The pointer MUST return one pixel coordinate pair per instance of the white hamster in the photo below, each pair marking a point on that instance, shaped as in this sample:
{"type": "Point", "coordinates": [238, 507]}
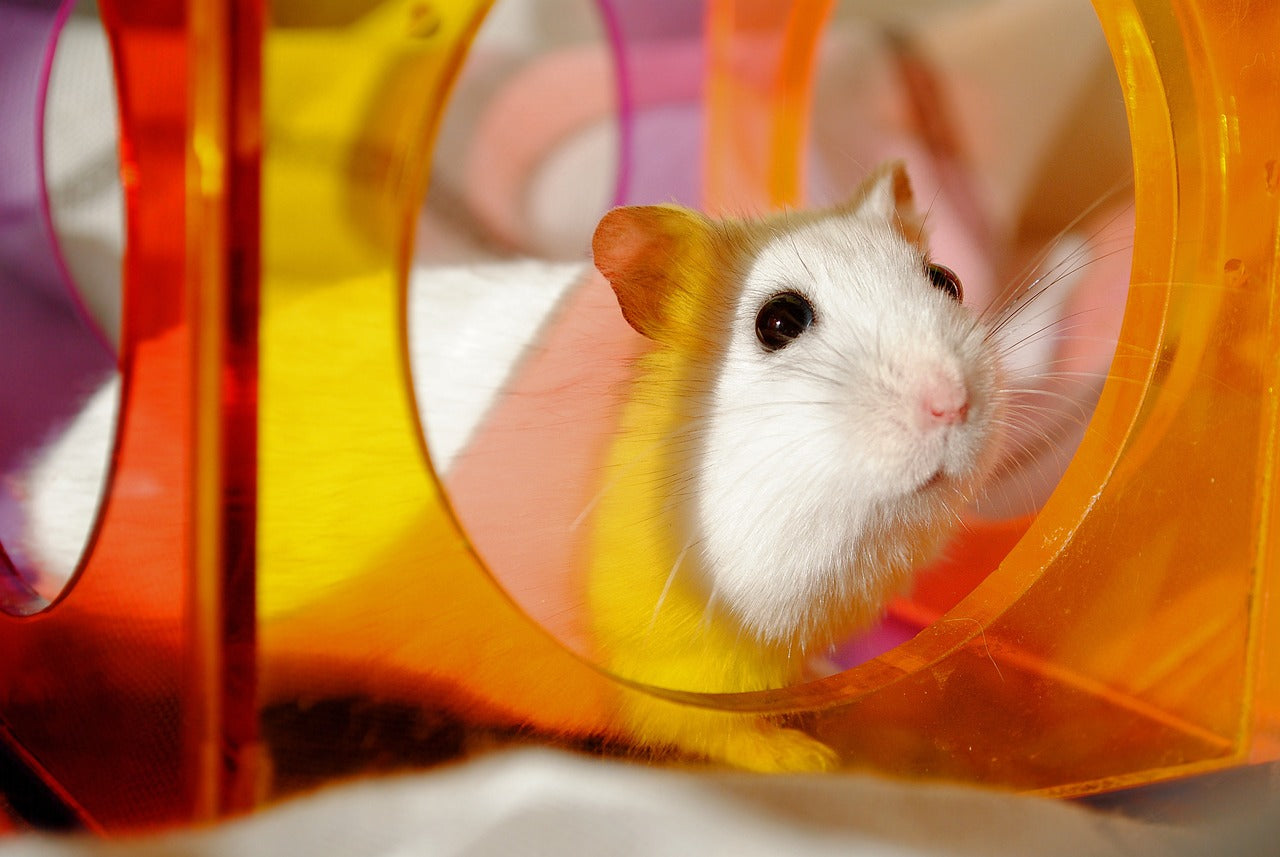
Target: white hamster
{"type": "Point", "coordinates": [818, 406]}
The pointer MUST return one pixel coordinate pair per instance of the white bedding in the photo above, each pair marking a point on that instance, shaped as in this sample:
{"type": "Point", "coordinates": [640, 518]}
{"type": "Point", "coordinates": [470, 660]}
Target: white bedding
{"type": "Point", "coordinates": [537, 802]}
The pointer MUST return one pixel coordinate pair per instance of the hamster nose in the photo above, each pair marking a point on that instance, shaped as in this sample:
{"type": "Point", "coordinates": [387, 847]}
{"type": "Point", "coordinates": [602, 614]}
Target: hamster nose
{"type": "Point", "coordinates": [943, 401]}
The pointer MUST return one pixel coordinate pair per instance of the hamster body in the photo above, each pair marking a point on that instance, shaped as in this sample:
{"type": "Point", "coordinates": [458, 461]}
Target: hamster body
{"type": "Point", "coordinates": [817, 403]}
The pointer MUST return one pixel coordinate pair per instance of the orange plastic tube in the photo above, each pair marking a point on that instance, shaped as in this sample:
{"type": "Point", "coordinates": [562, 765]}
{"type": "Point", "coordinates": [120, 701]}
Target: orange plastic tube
{"type": "Point", "coordinates": [761, 58]}
{"type": "Point", "coordinates": [1130, 635]}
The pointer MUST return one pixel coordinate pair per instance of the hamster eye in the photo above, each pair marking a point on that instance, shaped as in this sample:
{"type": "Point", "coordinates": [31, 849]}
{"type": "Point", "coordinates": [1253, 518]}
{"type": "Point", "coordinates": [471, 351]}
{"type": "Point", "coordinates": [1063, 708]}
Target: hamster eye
{"type": "Point", "coordinates": [782, 318]}
{"type": "Point", "coordinates": [944, 278]}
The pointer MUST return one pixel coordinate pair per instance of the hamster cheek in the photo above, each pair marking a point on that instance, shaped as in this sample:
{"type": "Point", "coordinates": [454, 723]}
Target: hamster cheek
{"type": "Point", "coordinates": [773, 523]}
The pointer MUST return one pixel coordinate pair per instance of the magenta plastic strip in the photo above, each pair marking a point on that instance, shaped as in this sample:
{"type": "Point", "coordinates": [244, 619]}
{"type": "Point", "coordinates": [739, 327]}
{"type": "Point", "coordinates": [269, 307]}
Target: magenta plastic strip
{"type": "Point", "coordinates": [51, 355]}
{"type": "Point", "coordinates": [659, 69]}
{"type": "Point", "coordinates": [28, 250]}
{"type": "Point", "coordinates": [613, 26]}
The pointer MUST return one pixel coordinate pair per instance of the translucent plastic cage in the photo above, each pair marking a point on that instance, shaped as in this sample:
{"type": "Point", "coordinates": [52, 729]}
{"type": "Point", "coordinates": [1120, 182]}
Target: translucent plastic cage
{"type": "Point", "coordinates": [274, 537]}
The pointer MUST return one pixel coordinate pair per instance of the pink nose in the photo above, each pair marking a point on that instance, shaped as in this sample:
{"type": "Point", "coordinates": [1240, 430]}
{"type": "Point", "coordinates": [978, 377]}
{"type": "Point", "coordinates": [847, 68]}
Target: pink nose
{"type": "Point", "coordinates": [943, 401]}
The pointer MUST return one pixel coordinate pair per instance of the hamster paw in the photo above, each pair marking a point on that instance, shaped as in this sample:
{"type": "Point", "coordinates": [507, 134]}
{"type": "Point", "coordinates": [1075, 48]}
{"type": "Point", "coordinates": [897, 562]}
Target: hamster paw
{"type": "Point", "coordinates": [773, 749]}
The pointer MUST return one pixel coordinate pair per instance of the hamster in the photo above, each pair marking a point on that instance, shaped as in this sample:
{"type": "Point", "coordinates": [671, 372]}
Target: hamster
{"type": "Point", "coordinates": [817, 405]}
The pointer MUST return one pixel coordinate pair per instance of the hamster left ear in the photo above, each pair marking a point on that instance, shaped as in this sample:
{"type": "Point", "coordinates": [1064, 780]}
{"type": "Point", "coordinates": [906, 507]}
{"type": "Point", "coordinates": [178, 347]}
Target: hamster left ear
{"type": "Point", "coordinates": [653, 256]}
{"type": "Point", "coordinates": [886, 194]}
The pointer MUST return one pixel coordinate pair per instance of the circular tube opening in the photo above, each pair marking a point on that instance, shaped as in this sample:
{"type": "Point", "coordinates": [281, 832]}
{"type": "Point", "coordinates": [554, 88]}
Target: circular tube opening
{"type": "Point", "coordinates": [1019, 158]}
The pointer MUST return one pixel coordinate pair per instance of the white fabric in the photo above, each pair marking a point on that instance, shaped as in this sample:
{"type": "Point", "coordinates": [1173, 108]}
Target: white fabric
{"type": "Point", "coordinates": [538, 802]}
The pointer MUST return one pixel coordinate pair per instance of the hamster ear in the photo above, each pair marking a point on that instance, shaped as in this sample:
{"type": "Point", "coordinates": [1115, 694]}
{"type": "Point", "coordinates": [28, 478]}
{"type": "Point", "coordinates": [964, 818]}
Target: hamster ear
{"type": "Point", "coordinates": [652, 255]}
{"type": "Point", "coordinates": [886, 194]}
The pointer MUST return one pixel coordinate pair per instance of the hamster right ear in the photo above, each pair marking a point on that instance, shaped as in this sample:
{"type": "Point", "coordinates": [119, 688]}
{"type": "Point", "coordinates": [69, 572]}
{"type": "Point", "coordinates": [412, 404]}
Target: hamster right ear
{"type": "Point", "coordinates": [886, 193]}
{"type": "Point", "coordinates": [655, 257]}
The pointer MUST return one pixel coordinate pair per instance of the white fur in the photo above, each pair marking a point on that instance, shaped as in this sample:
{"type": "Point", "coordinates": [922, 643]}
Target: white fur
{"type": "Point", "coordinates": [63, 487]}
{"type": "Point", "coordinates": [810, 481]}
{"type": "Point", "coordinates": [469, 325]}
{"type": "Point", "coordinates": [468, 328]}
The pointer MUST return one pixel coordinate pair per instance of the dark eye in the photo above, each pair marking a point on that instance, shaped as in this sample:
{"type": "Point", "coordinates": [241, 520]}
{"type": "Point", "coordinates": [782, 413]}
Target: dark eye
{"type": "Point", "coordinates": [782, 318]}
{"type": "Point", "coordinates": [944, 278]}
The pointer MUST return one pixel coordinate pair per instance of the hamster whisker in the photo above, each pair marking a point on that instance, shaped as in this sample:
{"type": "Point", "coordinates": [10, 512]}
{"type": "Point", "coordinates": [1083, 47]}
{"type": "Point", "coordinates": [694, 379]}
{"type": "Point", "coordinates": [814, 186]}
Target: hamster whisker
{"type": "Point", "coordinates": [1006, 311]}
{"type": "Point", "coordinates": [960, 522]}
{"type": "Point", "coordinates": [1081, 378]}
{"type": "Point", "coordinates": [1069, 366]}
{"type": "Point", "coordinates": [1019, 312]}
{"type": "Point", "coordinates": [1044, 424]}
{"type": "Point", "coordinates": [1010, 475]}
{"type": "Point", "coordinates": [1030, 425]}
{"type": "Point", "coordinates": [1015, 472]}
{"type": "Point", "coordinates": [1113, 341]}
{"type": "Point", "coordinates": [1090, 252]}
{"type": "Point", "coordinates": [1018, 295]}
{"type": "Point", "coordinates": [1019, 280]}
{"type": "Point", "coordinates": [1030, 417]}
{"type": "Point", "coordinates": [666, 587]}
{"type": "Point", "coordinates": [709, 609]}
{"type": "Point", "coordinates": [1063, 373]}
{"type": "Point", "coordinates": [1025, 403]}
{"type": "Point", "coordinates": [1034, 410]}
{"type": "Point", "coordinates": [795, 249]}
{"type": "Point", "coordinates": [1076, 261]}
{"type": "Point", "coordinates": [1007, 471]}
{"type": "Point", "coordinates": [924, 220]}
{"type": "Point", "coordinates": [1052, 371]}
{"type": "Point", "coordinates": [1055, 327]}
{"type": "Point", "coordinates": [1047, 393]}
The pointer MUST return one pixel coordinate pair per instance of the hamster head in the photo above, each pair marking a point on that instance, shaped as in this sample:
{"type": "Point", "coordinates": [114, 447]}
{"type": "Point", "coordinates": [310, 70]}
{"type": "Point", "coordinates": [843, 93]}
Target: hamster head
{"type": "Point", "coordinates": [844, 401]}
